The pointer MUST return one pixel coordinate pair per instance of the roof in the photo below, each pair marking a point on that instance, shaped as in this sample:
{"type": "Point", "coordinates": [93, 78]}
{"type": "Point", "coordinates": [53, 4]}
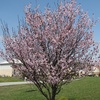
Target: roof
{"type": "Point", "coordinates": [11, 62]}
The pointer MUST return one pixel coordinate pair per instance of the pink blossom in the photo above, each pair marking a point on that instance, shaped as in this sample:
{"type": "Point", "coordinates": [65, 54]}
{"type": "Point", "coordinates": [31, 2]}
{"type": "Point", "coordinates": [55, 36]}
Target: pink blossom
{"type": "Point", "coordinates": [53, 46]}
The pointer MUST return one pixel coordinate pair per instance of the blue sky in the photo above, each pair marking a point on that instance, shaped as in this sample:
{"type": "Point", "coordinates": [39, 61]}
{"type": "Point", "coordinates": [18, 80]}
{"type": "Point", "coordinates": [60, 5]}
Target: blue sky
{"type": "Point", "coordinates": [11, 9]}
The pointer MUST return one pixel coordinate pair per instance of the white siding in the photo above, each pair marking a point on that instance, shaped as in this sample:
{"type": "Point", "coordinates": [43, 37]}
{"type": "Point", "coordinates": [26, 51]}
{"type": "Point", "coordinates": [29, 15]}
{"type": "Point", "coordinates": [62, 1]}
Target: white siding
{"type": "Point", "coordinates": [6, 70]}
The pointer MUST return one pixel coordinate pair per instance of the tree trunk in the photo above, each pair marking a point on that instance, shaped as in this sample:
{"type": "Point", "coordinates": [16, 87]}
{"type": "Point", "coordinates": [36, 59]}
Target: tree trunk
{"type": "Point", "coordinates": [54, 89]}
{"type": "Point", "coordinates": [53, 97]}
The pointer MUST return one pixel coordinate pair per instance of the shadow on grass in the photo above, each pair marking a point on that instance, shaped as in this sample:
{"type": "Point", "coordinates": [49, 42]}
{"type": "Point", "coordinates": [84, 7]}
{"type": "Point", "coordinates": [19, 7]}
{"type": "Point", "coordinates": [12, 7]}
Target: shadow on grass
{"type": "Point", "coordinates": [30, 90]}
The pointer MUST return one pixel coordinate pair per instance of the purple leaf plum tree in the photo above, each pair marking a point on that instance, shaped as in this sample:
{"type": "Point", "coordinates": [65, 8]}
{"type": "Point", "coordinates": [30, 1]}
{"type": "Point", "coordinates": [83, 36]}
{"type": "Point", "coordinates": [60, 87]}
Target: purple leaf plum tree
{"type": "Point", "coordinates": [52, 46]}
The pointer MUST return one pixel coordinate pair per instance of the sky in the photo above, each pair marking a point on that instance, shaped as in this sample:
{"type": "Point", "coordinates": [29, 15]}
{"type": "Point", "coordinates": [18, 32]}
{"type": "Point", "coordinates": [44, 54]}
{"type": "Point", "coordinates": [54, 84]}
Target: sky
{"type": "Point", "coordinates": [11, 10]}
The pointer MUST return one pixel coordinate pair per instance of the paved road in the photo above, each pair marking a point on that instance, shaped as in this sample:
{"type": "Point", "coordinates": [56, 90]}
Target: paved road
{"type": "Point", "coordinates": [13, 83]}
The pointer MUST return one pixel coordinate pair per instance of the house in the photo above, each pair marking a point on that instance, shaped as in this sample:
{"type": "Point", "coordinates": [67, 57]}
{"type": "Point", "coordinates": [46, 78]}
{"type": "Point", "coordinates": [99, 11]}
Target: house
{"type": "Point", "coordinates": [6, 69]}
{"type": "Point", "coordinates": [96, 71]}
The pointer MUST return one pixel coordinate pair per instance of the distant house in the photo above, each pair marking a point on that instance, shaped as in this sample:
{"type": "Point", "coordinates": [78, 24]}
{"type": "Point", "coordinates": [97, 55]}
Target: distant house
{"type": "Point", "coordinates": [6, 69]}
{"type": "Point", "coordinates": [96, 70]}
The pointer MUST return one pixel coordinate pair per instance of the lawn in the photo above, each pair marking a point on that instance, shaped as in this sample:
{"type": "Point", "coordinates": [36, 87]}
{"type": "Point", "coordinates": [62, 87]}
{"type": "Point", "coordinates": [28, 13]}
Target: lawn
{"type": "Point", "coordinates": [84, 89]}
{"type": "Point", "coordinates": [10, 79]}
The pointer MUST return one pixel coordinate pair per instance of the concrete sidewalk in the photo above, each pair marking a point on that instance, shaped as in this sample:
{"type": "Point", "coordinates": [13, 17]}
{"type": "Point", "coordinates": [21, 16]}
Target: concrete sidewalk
{"type": "Point", "coordinates": [14, 83]}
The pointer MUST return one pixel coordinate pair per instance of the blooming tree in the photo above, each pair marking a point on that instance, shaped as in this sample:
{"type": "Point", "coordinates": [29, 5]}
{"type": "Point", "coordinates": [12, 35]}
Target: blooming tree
{"type": "Point", "coordinates": [52, 46]}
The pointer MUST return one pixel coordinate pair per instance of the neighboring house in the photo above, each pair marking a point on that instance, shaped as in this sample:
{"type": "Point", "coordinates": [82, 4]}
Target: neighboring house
{"type": "Point", "coordinates": [6, 69]}
{"type": "Point", "coordinates": [96, 71]}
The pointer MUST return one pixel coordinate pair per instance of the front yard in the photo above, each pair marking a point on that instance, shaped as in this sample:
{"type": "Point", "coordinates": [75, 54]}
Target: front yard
{"type": "Point", "coordinates": [87, 88]}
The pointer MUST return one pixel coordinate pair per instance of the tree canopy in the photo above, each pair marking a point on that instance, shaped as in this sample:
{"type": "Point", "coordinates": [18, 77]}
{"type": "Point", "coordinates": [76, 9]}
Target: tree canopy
{"type": "Point", "coordinates": [52, 46]}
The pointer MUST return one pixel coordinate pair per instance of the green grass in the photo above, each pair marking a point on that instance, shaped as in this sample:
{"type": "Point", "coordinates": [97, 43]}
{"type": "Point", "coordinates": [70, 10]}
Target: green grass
{"type": "Point", "coordinates": [20, 92]}
{"type": "Point", "coordinates": [84, 89]}
{"type": "Point", "coordinates": [10, 79]}
{"type": "Point", "coordinates": [87, 88]}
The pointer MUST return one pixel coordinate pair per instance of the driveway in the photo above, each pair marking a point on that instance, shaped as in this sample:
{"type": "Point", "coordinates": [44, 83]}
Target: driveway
{"type": "Point", "coordinates": [13, 83]}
